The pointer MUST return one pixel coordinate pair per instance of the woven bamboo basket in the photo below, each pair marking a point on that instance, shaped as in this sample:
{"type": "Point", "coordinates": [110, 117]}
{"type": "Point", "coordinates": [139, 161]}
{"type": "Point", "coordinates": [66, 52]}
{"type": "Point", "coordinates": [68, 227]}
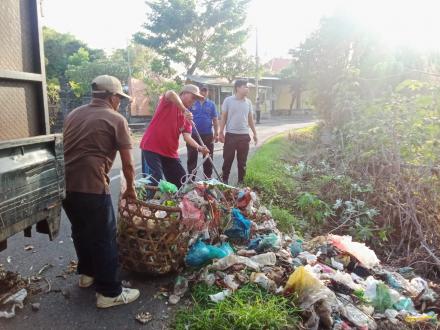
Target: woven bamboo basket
{"type": "Point", "coordinates": [150, 238]}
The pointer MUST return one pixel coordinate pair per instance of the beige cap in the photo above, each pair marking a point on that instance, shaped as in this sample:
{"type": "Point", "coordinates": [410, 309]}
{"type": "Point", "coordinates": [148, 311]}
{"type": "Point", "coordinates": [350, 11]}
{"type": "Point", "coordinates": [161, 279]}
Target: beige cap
{"type": "Point", "coordinates": [109, 84]}
{"type": "Point", "coordinates": [193, 89]}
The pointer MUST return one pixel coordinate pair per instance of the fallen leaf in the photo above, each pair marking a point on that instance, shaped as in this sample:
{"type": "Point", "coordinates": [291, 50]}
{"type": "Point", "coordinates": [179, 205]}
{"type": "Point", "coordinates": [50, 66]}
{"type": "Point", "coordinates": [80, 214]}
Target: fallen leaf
{"type": "Point", "coordinates": [28, 247]}
{"type": "Point", "coordinates": [144, 317]}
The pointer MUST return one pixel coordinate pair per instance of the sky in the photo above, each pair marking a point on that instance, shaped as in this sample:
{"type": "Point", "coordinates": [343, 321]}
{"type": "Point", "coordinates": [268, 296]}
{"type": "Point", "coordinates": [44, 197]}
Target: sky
{"type": "Point", "coordinates": [281, 24]}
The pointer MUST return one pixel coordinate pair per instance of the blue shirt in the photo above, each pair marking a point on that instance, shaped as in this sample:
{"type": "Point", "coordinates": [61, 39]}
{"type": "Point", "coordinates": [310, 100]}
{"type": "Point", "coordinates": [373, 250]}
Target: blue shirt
{"type": "Point", "coordinates": [203, 114]}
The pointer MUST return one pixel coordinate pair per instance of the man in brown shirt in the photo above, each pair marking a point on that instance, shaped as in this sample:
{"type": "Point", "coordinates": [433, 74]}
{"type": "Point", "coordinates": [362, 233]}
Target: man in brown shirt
{"type": "Point", "coordinates": [93, 134]}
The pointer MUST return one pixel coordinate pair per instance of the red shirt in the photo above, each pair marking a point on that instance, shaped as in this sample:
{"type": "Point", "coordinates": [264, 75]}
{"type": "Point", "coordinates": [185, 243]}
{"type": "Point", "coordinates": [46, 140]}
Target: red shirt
{"type": "Point", "coordinates": [162, 135]}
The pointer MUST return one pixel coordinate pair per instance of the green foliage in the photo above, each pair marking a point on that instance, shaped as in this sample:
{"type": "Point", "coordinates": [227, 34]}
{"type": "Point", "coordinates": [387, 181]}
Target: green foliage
{"type": "Point", "coordinates": [194, 33]}
{"type": "Point", "coordinates": [58, 47]}
{"type": "Point", "coordinates": [156, 87]}
{"type": "Point", "coordinates": [358, 218]}
{"type": "Point", "coordinates": [237, 64]}
{"type": "Point", "coordinates": [79, 58]}
{"type": "Point", "coordinates": [286, 221]}
{"type": "Point", "coordinates": [312, 208]}
{"type": "Point", "coordinates": [53, 91]}
{"type": "Point", "coordinates": [80, 77]}
{"type": "Point", "coordinates": [250, 307]}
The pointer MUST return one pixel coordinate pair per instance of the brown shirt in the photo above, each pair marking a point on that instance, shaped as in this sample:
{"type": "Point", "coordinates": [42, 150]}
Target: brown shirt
{"type": "Point", "coordinates": [93, 133]}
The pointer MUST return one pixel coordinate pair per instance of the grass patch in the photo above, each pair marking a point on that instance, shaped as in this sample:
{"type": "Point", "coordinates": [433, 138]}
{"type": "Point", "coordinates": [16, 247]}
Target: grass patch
{"type": "Point", "coordinates": [248, 308]}
{"type": "Point", "coordinates": [286, 221]}
{"type": "Point", "coordinates": [270, 173]}
{"type": "Point", "coordinates": [265, 171]}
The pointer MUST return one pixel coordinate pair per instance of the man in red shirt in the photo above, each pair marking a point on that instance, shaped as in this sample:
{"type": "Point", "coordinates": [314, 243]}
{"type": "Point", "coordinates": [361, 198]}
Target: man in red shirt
{"type": "Point", "coordinates": [160, 142]}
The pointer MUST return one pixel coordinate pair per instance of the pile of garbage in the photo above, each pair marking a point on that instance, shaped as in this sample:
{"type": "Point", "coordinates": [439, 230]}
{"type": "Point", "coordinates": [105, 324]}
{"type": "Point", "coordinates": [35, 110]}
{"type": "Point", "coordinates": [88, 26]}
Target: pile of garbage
{"type": "Point", "coordinates": [338, 283]}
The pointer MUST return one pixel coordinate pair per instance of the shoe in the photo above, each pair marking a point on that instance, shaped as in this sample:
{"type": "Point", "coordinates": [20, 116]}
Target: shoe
{"type": "Point", "coordinates": [85, 281]}
{"type": "Point", "coordinates": [127, 296]}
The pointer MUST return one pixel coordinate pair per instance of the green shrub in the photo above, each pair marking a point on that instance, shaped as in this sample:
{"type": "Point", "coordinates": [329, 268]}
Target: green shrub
{"type": "Point", "coordinates": [286, 221]}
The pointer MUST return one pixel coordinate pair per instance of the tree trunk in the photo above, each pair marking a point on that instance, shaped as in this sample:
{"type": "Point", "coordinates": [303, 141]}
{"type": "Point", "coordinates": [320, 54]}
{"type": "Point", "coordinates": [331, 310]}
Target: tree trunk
{"type": "Point", "coordinates": [298, 99]}
{"type": "Point", "coordinates": [197, 60]}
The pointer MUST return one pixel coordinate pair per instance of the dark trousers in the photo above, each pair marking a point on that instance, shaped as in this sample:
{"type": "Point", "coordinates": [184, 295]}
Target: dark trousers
{"type": "Point", "coordinates": [161, 167]}
{"type": "Point", "coordinates": [145, 169]}
{"type": "Point", "coordinates": [94, 236]}
{"type": "Point", "coordinates": [235, 143]}
{"type": "Point", "coordinates": [193, 155]}
{"type": "Point", "coordinates": [258, 115]}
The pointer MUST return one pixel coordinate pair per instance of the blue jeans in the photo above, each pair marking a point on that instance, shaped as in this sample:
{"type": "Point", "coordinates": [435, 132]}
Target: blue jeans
{"type": "Point", "coordinates": [162, 167]}
{"type": "Point", "coordinates": [94, 236]}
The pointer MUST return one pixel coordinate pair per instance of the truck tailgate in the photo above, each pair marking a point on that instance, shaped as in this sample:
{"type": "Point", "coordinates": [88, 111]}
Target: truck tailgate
{"type": "Point", "coordinates": [32, 184]}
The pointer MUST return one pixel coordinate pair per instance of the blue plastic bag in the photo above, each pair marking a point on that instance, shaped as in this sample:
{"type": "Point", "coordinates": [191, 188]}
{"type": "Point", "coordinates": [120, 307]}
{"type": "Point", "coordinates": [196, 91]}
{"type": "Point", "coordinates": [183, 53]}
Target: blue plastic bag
{"type": "Point", "coordinates": [265, 242]}
{"type": "Point", "coordinates": [296, 247]}
{"type": "Point", "coordinates": [241, 227]}
{"type": "Point", "coordinates": [201, 253]}
{"type": "Point", "coordinates": [226, 248]}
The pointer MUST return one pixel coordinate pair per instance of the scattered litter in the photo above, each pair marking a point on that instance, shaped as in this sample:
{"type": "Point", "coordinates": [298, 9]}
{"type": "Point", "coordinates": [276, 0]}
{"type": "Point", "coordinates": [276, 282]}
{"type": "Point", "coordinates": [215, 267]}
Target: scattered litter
{"type": "Point", "coordinates": [230, 240]}
{"type": "Point", "coordinates": [44, 268]}
{"type": "Point", "coordinates": [233, 259]}
{"type": "Point", "coordinates": [180, 288]}
{"type": "Point", "coordinates": [266, 259]}
{"type": "Point", "coordinates": [241, 226]}
{"type": "Point", "coordinates": [359, 250]}
{"type": "Point", "coordinates": [28, 247]}
{"type": "Point", "coordinates": [72, 267]}
{"type": "Point", "coordinates": [15, 300]}
{"type": "Point", "coordinates": [262, 280]}
{"type": "Point", "coordinates": [220, 296]}
{"type": "Point", "coordinates": [144, 317]}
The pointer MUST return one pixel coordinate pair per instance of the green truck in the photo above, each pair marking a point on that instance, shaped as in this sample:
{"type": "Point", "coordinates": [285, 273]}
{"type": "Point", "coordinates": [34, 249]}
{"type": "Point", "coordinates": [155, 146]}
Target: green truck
{"type": "Point", "coordinates": [31, 159]}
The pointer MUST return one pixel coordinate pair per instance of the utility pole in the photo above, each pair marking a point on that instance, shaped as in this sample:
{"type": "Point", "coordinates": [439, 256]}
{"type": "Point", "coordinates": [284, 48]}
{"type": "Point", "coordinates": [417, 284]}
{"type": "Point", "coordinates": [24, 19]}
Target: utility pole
{"type": "Point", "coordinates": [130, 87]}
{"type": "Point", "coordinates": [257, 74]}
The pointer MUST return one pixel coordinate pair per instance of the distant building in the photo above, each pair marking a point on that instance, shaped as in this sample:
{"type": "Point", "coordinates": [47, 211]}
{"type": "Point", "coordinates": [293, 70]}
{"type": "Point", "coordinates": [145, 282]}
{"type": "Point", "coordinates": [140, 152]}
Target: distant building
{"type": "Point", "coordinates": [276, 65]}
{"type": "Point", "coordinates": [275, 93]}
{"type": "Point", "coordinates": [140, 104]}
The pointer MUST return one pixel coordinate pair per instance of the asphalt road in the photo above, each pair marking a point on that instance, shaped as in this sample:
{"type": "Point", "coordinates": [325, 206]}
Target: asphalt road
{"type": "Point", "coordinates": [68, 307]}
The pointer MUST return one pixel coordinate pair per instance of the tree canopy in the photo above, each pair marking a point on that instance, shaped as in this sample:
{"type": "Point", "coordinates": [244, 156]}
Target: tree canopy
{"type": "Point", "coordinates": [194, 33]}
{"type": "Point", "coordinates": [58, 47]}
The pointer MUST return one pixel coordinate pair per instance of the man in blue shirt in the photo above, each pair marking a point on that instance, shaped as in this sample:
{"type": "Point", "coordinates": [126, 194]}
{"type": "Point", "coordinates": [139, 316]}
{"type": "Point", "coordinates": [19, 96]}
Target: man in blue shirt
{"type": "Point", "coordinates": [205, 118]}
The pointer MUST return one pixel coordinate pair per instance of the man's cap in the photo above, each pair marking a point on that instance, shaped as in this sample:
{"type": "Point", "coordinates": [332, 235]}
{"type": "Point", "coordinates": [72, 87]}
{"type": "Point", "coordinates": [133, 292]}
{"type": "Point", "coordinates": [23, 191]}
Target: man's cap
{"type": "Point", "coordinates": [193, 89]}
{"type": "Point", "coordinates": [108, 84]}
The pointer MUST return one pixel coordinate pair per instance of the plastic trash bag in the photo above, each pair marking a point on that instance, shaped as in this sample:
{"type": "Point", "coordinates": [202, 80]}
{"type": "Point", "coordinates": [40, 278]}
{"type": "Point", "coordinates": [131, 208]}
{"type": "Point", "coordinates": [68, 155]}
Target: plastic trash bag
{"type": "Point", "coordinates": [265, 242]}
{"type": "Point", "coordinates": [405, 304]}
{"type": "Point", "coordinates": [265, 259]}
{"type": "Point", "coordinates": [16, 300]}
{"type": "Point", "coordinates": [220, 296]}
{"type": "Point", "coordinates": [308, 288]}
{"type": "Point", "coordinates": [360, 251]}
{"type": "Point", "coordinates": [296, 247]}
{"type": "Point", "coordinates": [241, 227]}
{"type": "Point", "coordinates": [226, 247]}
{"type": "Point", "coordinates": [262, 280]}
{"type": "Point", "coordinates": [411, 319]}
{"type": "Point", "coordinates": [192, 217]}
{"type": "Point", "coordinates": [383, 300]}
{"type": "Point", "coordinates": [233, 259]}
{"type": "Point", "coordinates": [200, 253]}
{"type": "Point", "coordinates": [167, 187]}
